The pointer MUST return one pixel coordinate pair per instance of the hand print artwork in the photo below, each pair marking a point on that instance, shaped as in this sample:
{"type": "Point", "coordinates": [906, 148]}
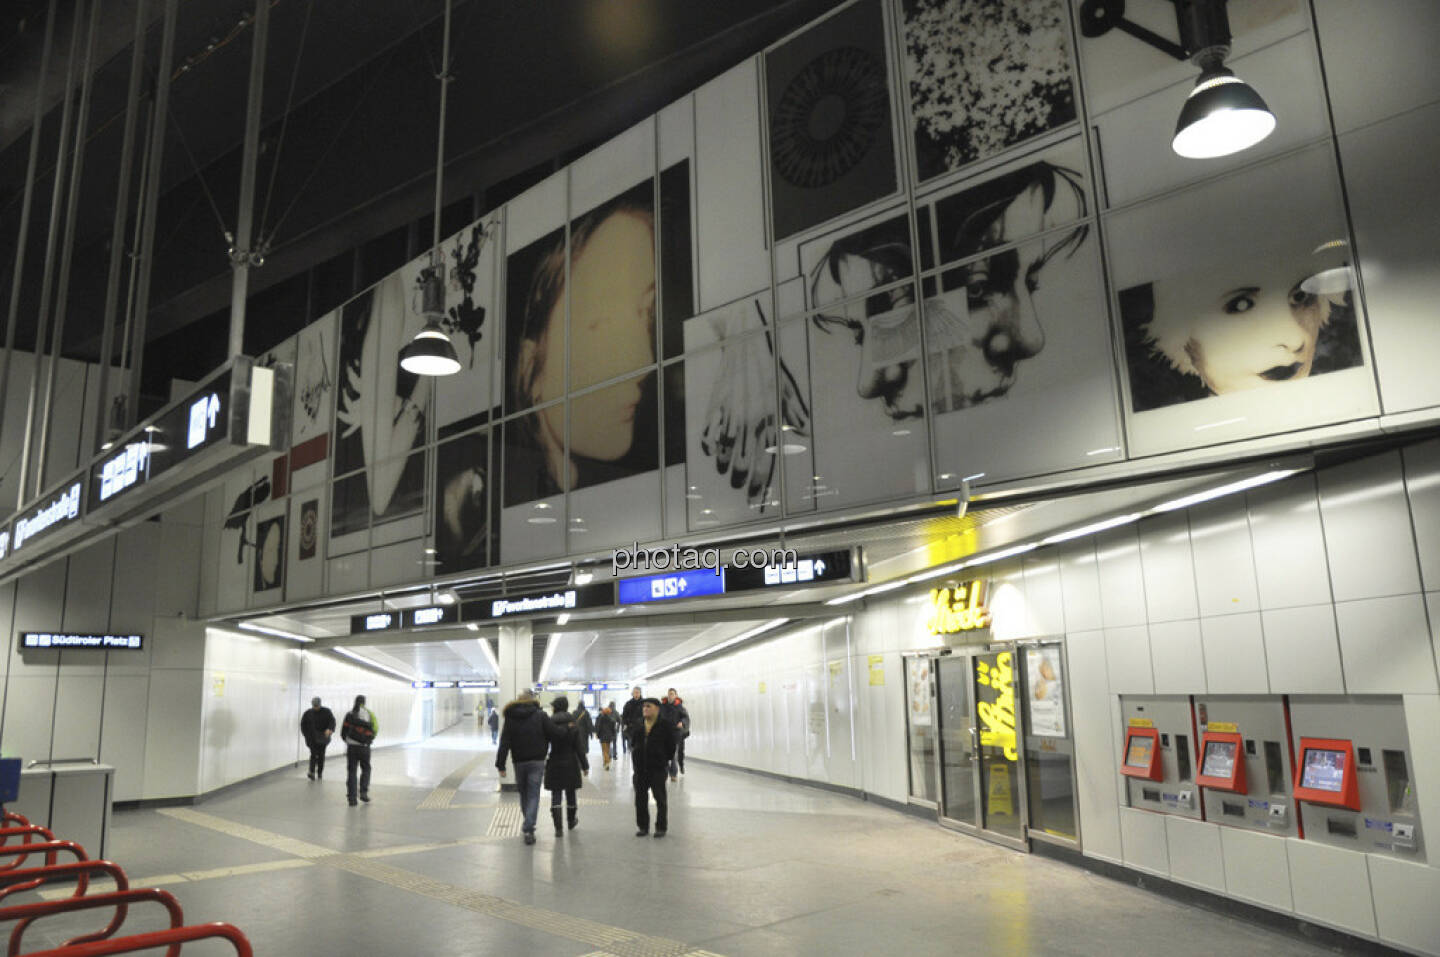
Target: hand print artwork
{"type": "Point", "coordinates": [984, 75]}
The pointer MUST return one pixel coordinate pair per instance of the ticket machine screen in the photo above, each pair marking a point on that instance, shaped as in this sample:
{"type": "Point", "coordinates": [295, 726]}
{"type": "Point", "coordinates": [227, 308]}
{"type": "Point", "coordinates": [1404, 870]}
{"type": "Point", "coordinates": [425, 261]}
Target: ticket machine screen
{"type": "Point", "coordinates": [1323, 770]}
{"type": "Point", "coordinates": [1219, 759]}
{"type": "Point", "coordinates": [1138, 754]}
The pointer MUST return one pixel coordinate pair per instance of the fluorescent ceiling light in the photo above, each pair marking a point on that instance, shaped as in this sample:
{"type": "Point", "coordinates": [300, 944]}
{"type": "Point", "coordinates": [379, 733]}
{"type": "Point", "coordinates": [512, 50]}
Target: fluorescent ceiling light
{"type": "Point", "coordinates": [489, 655]}
{"type": "Point", "coordinates": [1092, 528]}
{"type": "Point", "coordinates": [1004, 553]}
{"type": "Point", "coordinates": [563, 619]}
{"type": "Point", "coordinates": [1223, 490]}
{"type": "Point", "coordinates": [373, 664]}
{"type": "Point", "coordinates": [584, 578]}
{"type": "Point", "coordinates": [265, 630]}
{"type": "Point", "coordinates": [846, 599]}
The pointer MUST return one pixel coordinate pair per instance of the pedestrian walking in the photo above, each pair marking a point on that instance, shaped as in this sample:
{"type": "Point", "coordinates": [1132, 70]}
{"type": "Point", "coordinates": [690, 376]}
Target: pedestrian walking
{"type": "Point", "coordinates": [672, 709]}
{"type": "Point", "coordinates": [652, 745]}
{"type": "Point", "coordinates": [565, 765]}
{"type": "Point", "coordinates": [494, 725]}
{"type": "Point", "coordinates": [631, 717]}
{"type": "Point", "coordinates": [317, 724]}
{"type": "Point", "coordinates": [585, 725]}
{"type": "Point", "coordinates": [358, 732]}
{"type": "Point", "coordinates": [526, 735]}
{"type": "Point", "coordinates": [606, 727]}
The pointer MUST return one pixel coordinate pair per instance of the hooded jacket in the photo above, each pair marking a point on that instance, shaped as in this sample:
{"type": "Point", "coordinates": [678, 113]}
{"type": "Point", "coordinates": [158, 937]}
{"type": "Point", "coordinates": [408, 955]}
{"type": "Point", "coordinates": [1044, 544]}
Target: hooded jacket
{"type": "Point", "coordinates": [314, 723]}
{"type": "Point", "coordinates": [606, 725]}
{"type": "Point", "coordinates": [526, 734]}
{"type": "Point", "coordinates": [675, 713]}
{"type": "Point", "coordinates": [567, 758]}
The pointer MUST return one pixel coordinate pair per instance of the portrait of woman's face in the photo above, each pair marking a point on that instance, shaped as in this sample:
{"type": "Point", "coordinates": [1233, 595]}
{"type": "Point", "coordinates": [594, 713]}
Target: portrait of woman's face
{"type": "Point", "coordinates": [1242, 337]}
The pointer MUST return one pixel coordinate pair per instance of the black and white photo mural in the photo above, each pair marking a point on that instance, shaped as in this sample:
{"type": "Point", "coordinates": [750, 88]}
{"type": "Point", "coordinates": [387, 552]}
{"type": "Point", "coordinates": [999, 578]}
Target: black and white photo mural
{"type": "Point", "coordinates": [984, 75]}
{"type": "Point", "coordinates": [466, 531]}
{"type": "Point", "coordinates": [269, 565]}
{"type": "Point", "coordinates": [1257, 334]}
{"type": "Point", "coordinates": [832, 142]}
{"type": "Point", "coordinates": [1016, 326]}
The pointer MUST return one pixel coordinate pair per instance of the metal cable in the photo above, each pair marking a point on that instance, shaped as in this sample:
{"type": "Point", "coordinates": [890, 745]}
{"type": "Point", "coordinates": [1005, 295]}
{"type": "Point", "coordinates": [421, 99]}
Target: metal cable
{"type": "Point", "coordinates": [284, 123]}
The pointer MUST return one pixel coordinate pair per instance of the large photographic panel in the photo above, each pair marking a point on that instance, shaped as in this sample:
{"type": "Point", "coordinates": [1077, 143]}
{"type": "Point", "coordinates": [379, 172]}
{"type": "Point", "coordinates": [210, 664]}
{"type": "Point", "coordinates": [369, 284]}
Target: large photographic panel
{"type": "Point", "coordinates": [464, 535]}
{"type": "Point", "coordinates": [269, 564]}
{"type": "Point", "coordinates": [984, 75]}
{"type": "Point", "coordinates": [827, 95]}
{"type": "Point", "coordinates": [313, 409]}
{"type": "Point", "coordinates": [857, 258]}
{"type": "Point", "coordinates": [1239, 310]}
{"type": "Point", "coordinates": [532, 521]}
{"type": "Point", "coordinates": [464, 400]}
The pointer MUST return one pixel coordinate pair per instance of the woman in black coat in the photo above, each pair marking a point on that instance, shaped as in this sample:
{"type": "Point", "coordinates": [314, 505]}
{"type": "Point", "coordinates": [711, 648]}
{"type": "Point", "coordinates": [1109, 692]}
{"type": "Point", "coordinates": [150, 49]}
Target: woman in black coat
{"type": "Point", "coordinates": [564, 765]}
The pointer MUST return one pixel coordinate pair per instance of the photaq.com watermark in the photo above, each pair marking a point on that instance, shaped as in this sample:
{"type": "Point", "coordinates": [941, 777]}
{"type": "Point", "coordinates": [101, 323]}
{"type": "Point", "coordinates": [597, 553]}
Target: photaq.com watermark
{"type": "Point", "coordinates": [676, 558]}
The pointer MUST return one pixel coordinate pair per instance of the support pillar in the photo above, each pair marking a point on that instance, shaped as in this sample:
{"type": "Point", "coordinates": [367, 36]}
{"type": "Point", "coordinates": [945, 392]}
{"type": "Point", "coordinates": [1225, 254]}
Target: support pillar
{"type": "Point", "coordinates": [516, 666]}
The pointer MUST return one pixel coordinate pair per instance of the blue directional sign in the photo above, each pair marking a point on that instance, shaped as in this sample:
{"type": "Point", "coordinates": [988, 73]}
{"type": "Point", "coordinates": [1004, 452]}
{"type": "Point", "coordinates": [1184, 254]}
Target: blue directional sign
{"type": "Point", "coordinates": [687, 584]}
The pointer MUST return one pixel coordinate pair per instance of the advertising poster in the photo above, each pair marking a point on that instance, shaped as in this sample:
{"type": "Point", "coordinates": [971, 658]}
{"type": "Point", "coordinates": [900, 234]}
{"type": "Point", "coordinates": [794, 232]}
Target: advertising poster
{"type": "Point", "coordinates": [919, 691]}
{"type": "Point", "coordinates": [1045, 692]}
{"type": "Point", "coordinates": [832, 146]}
{"type": "Point", "coordinates": [984, 76]}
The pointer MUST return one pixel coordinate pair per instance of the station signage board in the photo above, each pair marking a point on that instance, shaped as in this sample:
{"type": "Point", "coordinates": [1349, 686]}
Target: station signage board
{"type": "Point", "coordinates": [376, 621]}
{"type": "Point", "coordinates": [532, 604]}
{"type": "Point", "coordinates": [67, 640]}
{"type": "Point", "coordinates": [816, 569]}
{"type": "Point", "coordinates": [461, 685]}
{"type": "Point", "coordinates": [198, 422]}
{"type": "Point", "coordinates": [55, 511]}
{"type": "Point", "coordinates": [429, 616]}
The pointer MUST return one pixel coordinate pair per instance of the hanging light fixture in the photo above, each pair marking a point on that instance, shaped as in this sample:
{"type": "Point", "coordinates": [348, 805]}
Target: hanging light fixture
{"type": "Point", "coordinates": [1223, 114]}
{"type": "Point", "coordinates": [431, 352]}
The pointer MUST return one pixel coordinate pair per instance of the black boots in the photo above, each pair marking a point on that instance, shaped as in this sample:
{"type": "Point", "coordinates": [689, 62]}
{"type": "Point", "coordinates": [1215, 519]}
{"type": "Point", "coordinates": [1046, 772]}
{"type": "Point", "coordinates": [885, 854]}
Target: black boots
{"type": "Point", "coordinates": [555, 816]}
{"type": "Point", "coordinates": [574, 818]}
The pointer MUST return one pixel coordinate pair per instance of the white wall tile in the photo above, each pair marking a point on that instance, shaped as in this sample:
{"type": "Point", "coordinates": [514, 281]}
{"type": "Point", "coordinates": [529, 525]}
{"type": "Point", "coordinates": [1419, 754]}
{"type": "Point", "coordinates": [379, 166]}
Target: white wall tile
{"type": "Point", "coordinates": [1385, 646]}
{"type": "Point", "coordinates": [1122, 585]}
{"type": "Point", "coordinates": [172, 755]}
{"type": "Point", "coordinates": [1257, 868]}
{"type": "Point", "coordinates": [1194, 851]}
{"type": "Point", "coordinates": [1095, 745]}
{"type": "Point", "coordinates": [1146, 845]}
{"type": "Point", "coordinates": [1177, 658]}
{"type": "Point", "coordinates": [1043, 594]}
{"type": "Point", "coordinates": [1169, 571]}
{"type": "Point", "coordinates": [1080, 587]}
{"type": "Point", "coordinates": [1422, 486]}
{"type": "Point", "coordinates": [29, 707]}
{"type": "Point", "coordinates": [1234, 654]}
{"type": "Point", "coordinates": [1289, 543]}
{"type": "Point", "coordinates": [122, 733]}
{"type": "Point", "coordinates": [1422, 721]}
{"type": "Point", "coordinates": [1302, 650]}
{"type": "Point", "coordinates": [1224, 558]}
{"type": "Point", "coordinates": [78, 701]}
{"type": "Point", "coordinates": [1331, 886]}
{"type": "Point", "coordinates": [1367, 46]}
{"type": "Point", "coordinates": [1405, 895]}
{"type": "Point", "coordinates": [1364, 501]}
{"type": "Point", "coordinates": [1127, 653]}
{"type": "Point", "coordinates": [86, 605]}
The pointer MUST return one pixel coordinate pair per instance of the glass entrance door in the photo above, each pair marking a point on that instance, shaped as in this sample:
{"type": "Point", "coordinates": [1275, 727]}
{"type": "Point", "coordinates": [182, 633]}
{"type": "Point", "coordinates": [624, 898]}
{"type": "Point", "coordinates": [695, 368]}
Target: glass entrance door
{"type": "Point", "coordinates": [957, 742]}
{"type": "Point", "coordinates": [982, 787]}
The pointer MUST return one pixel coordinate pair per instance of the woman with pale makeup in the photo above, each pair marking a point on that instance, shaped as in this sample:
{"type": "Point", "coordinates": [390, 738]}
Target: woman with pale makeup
{"type": "Point", "coordinates": [611, 297]}
{"type": "Point", "coordinates": [1244, 326]}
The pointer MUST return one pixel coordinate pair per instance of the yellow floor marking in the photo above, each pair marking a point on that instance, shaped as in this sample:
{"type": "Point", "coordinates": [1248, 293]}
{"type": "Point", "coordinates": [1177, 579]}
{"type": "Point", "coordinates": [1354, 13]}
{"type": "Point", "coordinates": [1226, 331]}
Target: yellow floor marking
{"type": "Point", "coordinates": [444, 793]}
{"type": "Point", "coordinates": [614, 941]}
{"type": "Point", "coordinates": [160, 880]}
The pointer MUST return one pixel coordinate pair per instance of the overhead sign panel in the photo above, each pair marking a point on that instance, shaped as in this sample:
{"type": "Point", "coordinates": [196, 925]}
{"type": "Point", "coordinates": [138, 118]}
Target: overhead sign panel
{"type": "Point", "coordinates": [695, 583]}
{"type": "Point", "coordinates": [55, 511]}
{"type": "Point", "coordinates": [377, 621]}
{"type": "Point", "coordinates": [534, 604]}
{"type": "Point", "coordinates": [46, 639]}
{"type": "Point", "coordinates": [821, 568]}
{"type": "Point", "coordinates": [429, 616]}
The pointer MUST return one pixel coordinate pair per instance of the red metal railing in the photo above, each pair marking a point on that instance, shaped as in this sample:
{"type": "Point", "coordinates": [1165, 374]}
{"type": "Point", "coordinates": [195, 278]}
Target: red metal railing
{"type": "Point", "coordinates": [159, 938]}
{"type": "Point", "coordinates": [15, 879]}
{"type": "Point", "coordinates": [27, 914]}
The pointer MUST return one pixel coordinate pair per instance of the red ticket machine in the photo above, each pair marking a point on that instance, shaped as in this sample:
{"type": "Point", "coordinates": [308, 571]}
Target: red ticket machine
{"type": "Point", "coordinates": [1222, 762]}
{"type": "Point", "coordinates": [1142, 754]}
{"type": "Point", "coordinates": [1327, 773]}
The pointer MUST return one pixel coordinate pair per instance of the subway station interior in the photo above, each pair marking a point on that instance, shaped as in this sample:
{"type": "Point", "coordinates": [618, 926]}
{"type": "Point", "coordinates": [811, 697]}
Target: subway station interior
{"type": "Point", "coordinates": [818, 369]}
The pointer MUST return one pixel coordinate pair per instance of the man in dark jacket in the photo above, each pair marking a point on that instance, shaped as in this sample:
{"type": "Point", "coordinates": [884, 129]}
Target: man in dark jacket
{"type": "Point", "coordinates": [672, 709]}
{"type": "Point", "coordinates": [317, 725]}
{"type": "Point", "coordinates": [631, 716]}
{"type": "Point", "coordinates": [605, 728]}
{"type": "Point", "coordinates": [566, 763]}
{"type": "Point", "coordinates": [527, 734]}
{"type": "Point", "coordinates": [585, 725]}
{"type": "Point", "coordinates": [358, 732]}
{"type": "Point", "coordinates": [494, 725]}
{"type": "Point", "coordinates": [652, 745]}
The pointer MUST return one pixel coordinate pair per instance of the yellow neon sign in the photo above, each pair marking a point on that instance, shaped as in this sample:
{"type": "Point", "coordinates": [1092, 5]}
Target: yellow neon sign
{"type": "Point", "coordinates": [998, 716]}
{"type": "Point", "coordinates": [956, 609]}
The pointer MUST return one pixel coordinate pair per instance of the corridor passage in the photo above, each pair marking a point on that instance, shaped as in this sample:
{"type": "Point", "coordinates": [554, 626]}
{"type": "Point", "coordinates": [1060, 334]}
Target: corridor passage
{"type": "Point", "coordinates": [434, 865]}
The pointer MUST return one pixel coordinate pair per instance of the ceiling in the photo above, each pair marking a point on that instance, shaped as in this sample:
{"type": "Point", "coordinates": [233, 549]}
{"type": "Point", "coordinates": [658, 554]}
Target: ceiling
{"type": "Point", "coordinates": [347, 152]}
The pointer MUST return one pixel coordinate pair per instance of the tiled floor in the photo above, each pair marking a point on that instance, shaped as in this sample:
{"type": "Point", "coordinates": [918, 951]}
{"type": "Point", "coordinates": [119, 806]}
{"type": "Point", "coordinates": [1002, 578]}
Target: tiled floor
{"type": "Point", "coordinates": [751, 867]}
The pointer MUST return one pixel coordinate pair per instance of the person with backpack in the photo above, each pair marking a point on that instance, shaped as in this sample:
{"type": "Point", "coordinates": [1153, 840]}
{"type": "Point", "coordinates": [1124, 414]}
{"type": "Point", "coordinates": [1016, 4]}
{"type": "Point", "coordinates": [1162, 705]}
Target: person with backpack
{"type": "Point", "coordinates": [565, 764]}
{"type": "Point", "coordinates": [358, 732]}
{"type": "Point", "coordinates": [606, 727]}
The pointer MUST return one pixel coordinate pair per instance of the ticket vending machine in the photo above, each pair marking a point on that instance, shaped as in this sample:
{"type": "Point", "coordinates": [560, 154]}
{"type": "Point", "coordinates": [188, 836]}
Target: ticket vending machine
{"type": "Point", "coordinates": [1158, 754]}
{"type": "Point", "coordinates": [1244, 762]}
{"type": "Point", "coordinates": [1354, 774]}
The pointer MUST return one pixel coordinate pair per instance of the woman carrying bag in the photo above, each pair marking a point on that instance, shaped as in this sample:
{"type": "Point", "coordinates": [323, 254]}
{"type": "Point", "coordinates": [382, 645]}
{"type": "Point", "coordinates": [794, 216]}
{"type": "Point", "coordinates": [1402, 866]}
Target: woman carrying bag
{"type": "Point", "coordinates": [565, 765]}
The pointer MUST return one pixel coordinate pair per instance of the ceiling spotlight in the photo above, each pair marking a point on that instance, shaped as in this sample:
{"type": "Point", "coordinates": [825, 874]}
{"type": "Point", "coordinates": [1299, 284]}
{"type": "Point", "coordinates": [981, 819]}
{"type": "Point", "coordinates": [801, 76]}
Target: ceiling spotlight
{"type": "Point", "coordinates": [1223, 114]}
{"type": "Point", "coordinates": [430, 352]}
